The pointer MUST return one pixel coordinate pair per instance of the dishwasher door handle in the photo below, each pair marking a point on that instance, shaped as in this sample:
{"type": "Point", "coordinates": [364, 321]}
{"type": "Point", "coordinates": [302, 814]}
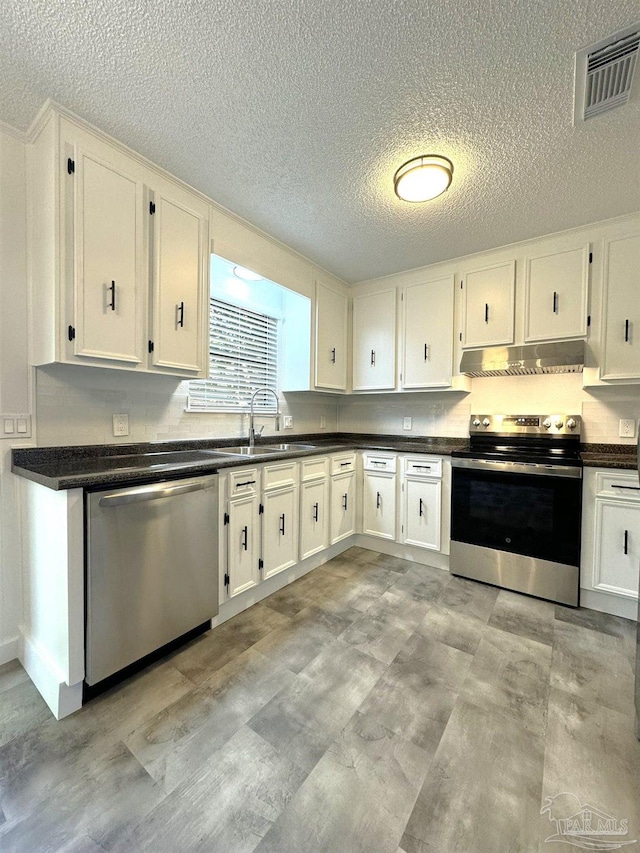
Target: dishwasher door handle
{"type": "Point", "coordinates": [153, 493]}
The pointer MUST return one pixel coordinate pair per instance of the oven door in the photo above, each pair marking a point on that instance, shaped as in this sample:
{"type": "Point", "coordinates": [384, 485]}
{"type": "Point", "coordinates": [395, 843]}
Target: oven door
{"type": "Point", "coordinates": [517, 529]}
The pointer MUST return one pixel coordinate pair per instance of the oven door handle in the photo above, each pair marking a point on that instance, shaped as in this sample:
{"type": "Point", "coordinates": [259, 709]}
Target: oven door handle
{"type": "Point", "coordinates": [532, 468]}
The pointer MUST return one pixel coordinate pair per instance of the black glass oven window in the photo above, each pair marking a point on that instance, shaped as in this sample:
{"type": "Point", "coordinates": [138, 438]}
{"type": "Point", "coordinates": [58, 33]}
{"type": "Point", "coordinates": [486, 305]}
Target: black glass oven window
{"type": "Point", "coordinates": [521, 513]}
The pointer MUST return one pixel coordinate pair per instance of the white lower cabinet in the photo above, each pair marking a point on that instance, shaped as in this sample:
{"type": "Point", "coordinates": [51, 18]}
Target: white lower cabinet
{"type": "Point", "coordinates": [379, 495]}
{"type": "Point", "coordinates": [243, 543]}
{"type": "Point", "coordinates": [343, 506]}
{"type": "Point", "coordinates": [314, 517]}
{"type": "Point", "coordinates": [421, 513]}
{"type": "Point", "coordinates": [611, 533]}
{"type": "Point", "coordinates": [279, 530]}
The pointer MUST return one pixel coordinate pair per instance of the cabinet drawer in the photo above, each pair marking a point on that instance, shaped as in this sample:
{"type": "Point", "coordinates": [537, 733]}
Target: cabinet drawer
{"type": "Point", "coordinates": [242, 481]}
{"type": "Point", "coordinates": [423, 466]}
{"type": "Point", "coordinates": [278, 474]}
{"type": "Point", "coordinates": [379, 462]}
{"type": "Point", "coordinates": [314, 468]}
{"type": "Point", "coordinates": [620, 484]}
{"type": "Point", "coordinates": [342, 462]}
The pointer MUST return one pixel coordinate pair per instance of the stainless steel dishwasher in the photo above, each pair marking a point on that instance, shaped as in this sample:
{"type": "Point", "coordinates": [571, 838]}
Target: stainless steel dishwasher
{"type": "Point", "coordinates": [152, 569]}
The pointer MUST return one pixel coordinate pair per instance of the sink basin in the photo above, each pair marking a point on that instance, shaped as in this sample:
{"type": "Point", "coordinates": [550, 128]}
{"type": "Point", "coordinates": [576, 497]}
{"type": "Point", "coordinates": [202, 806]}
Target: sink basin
{"type": "Point", "coordinates": [284, 447]}
{"type": "Point", "coordinates": [247, 451]}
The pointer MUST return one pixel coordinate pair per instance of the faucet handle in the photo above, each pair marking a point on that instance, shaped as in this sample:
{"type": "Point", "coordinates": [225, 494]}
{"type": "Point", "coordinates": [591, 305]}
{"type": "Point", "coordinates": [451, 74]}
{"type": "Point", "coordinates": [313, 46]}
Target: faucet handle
{"type": "Point", "coordinates": [258, 431]}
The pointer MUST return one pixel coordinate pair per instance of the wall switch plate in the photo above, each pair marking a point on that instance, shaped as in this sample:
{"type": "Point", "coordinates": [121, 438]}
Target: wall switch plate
{"type": "Point", "coordinates": [406, 423]}
{"type": "Point", "coordinates": [121, 424]}
{"type": "Point", "coordinates": [323, 422]}
{"type": "Point", "coordinates": [287, 422]}
{"type": "Point", "coordinates": [627, 428]}
{"type": "Point", "coordinates": [15, 426]}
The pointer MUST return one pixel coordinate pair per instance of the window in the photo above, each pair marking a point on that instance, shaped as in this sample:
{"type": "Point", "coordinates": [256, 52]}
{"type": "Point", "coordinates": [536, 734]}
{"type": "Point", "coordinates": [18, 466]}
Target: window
{"type": "Point", "coordinates": [243, 356]}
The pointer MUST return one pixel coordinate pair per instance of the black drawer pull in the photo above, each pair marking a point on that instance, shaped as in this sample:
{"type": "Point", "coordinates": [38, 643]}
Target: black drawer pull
{"type": "Point", "coordinates": [245, 537]}
{"type": "Point", "coordinates": [345, 464]}
{"type": "Point", "coordinates": [625, 547]}
{"type": "Point", "coordinates": [316, 509]}
{"type": "Point", "coordinates": [486, 312]}
{"type": "Point", "coordinates": [333, 355]}
{"type": "Point", "coordinates": [626, 331]}
{"type": "Point", "coordinates": [246, 483]}
{"type": "Point", "coordinates": [426, 352]}
{"type": "Point", "coordinates": [628, 488]}
{"type": "Point", "coordinates": [344, 502]}
{"type": "Point", "coordinates": [378, 500]}
{"type": "Point", "coordinates": [555, 302]}
{"type": "Point", "coordinates": [282, 524]}
{"type": "Point", "coordinates": [112, 290]}
{"type": "Point", "coordinates": [423, 467]}
{"type": "Point", "coordinates": [420, 510]}
{"type": "Point", "coordinates": [373, 358]}
{"type": "Point", "coordinates": [180, 313]}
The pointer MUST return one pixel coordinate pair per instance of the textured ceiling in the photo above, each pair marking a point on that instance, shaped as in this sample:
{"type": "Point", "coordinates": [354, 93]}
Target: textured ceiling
{"type": "Point", "coordinates": [296, 113]}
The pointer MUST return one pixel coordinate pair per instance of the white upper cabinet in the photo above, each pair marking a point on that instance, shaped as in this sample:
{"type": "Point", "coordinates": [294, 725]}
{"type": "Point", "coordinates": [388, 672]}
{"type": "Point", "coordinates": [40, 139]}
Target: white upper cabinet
{"type": "Point", "coordinates": [621, 309]}
{"type": "Point", "coordinates": [374, 341]}
{"type": "Point", "coordinates": [331, 339]}
{"type": "Point", "coordinates": [428, 334]}
{"type": "Point", "coordinates": [556, 294]}
{"type": "Point", "coordinates": [108, 269]}
{"type": "Point", "coordinates": [179, 278]}
{"type": "Point", "coordinates": [488, 305]}
{"type": "Point", "coordinates": [115, 283]}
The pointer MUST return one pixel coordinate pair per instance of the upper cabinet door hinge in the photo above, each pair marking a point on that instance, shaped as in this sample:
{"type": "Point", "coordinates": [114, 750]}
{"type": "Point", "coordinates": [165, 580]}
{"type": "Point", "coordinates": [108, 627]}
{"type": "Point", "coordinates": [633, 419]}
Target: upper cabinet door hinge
{"type": "Point", "coordinates": [588, 320]}
{"type": "Point", "coordinates": [227, 579]}
{"type": "Point", "coordinates": [461, 284]}
{"type": "Point", "coordinates": [226, 518]}
{"type": "Point", "coordinates": [152, 208]}
{"type": "Point", "coordinates": [71, 333]}
{"type": "Point", "coordinates": [150, 346]}
{"type": "Point", "coordinates": [460, 335]}
{"type": "Point", "coordinates": [590, 257]}
{"type": "Point", "coordinates": [261, 509]}
{"type": "Point", "coordinates": [71, 166]}
{"type": "Point", "coordinates": [260, 563]}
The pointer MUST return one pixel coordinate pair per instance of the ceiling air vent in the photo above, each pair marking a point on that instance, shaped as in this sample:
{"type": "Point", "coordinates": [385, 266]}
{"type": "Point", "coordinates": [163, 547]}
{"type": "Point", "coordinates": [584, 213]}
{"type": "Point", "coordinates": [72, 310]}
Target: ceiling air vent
{"type": "Point", "coordinates": [604, 74]}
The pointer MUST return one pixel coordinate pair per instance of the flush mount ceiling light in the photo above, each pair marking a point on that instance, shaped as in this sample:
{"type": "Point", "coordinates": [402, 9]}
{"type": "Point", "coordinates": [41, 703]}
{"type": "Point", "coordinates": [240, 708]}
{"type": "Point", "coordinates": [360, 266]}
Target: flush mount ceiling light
{"type": "Point", "coordinates": [423, 178]}
{"type": "Point", "coordinates": [246, 275]}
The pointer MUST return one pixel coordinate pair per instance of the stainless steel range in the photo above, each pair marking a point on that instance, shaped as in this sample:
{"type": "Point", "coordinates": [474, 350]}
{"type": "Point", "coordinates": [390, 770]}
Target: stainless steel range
{"type": "Point", "coordinates": [516, 505]}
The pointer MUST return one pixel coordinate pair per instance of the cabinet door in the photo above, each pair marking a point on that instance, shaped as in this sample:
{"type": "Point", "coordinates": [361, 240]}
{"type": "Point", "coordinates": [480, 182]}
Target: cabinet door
{"type": "Point", "coordinates": [556, 295]}
{"type": "Point", "coordinates": [621, 309]}
{"type": "Point", "coordinates": [421, 513]}
{"type": "Point", "coordinates": [374, 341]}
{"type": "Point", "coordinates": [331, 339]}
{"type": "Point", "coordinates": [243, 532]}
{"type": "Point", "coordinates": [108, 268]}
{"type": "Point", "coordinates": [343, 506]}
{"type": "Point", "coordinates": [314, 518]}
{"type": "Point", "coordinates": [379, 505]}
{"type": "Point", "coordinates": [488, 306]}
{"type": "Point", "coordinates": [279, 530]}
{"type": "Point", "coordinates": [617, 547]}
{"type": "Point", "coordinates": [428, 334]}
{"type": "Point", "coordinates": [180, 282]}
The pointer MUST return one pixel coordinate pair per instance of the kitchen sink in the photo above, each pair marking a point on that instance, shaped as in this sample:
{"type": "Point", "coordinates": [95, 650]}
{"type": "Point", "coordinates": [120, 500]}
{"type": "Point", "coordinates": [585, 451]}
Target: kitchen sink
{"type": "Point", "coordinates": [262, 449]}
{"type": "Point", "coordinates": [284, 447]}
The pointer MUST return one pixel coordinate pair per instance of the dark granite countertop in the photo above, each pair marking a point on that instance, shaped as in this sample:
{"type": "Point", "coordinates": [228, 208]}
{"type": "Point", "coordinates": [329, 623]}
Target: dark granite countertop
{"type": "Point", "coordinates": [98, 466]}
{"type": "Point", "coordinates": [609, 455]}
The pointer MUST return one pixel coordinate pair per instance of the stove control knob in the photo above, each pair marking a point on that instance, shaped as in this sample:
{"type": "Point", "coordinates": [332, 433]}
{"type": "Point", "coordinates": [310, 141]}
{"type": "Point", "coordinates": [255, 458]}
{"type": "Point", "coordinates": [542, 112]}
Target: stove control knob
{"type": "Point", "coordinates": [546, 423]}
{"type": "Point", "coordinates": [486, 422]}
{"type": "Point", "coordinates": [475, 422]}
{"type": "Point", "coordinates": [559, 423]}
{"type": "Point", "coordinates": [571, 424]}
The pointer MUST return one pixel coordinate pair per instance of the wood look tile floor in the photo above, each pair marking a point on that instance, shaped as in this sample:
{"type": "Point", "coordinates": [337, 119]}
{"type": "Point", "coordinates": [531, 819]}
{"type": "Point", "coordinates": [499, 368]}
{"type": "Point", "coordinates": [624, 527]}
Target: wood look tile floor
{"type": "Point", "coordinates": [373, 706]}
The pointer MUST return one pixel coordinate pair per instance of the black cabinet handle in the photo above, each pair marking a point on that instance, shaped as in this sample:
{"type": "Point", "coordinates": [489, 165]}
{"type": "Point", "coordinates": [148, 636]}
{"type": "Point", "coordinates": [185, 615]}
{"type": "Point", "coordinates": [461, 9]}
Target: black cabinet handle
{"type": "Point", "coordinates": [628, 488]}
{"type": "Point", "coordinates": [625, 547]}
{"type": "Point", "coordinates": [112, 290]}
{"type": "Point", "coordinates": [555, 302]}
{"type": "Point", "coordinates": [426, 352]}
{"type": "Point", "coordinates": [626, 331]}
{"type": "Point", "coordinates": [333, 355]}
{"type": "Point", "coordinates": [345, 464]}
{"type": "Point", "coordinates": [420, 510]}
{"type": "Point", "coordinates": [246, 483]}
{"type": "Point", "coordinates": [245, 537]}
{"type": "Point", "coordinates": [486, 312]}
{"type": "Point", "coordinates": [282, 524]}
{"type": "Point", "coordinates": [423, 467]}
{"type": "Point", "coordinates": [344, 502]}
{"type": "Point", "coordinates": [180, 313]}
{"type": "Point", "coordinates": [373, 358]}
{"type": "Point", "coordinates": [316, 508]}
{"type": "Point", "coordinates": [378, 500]}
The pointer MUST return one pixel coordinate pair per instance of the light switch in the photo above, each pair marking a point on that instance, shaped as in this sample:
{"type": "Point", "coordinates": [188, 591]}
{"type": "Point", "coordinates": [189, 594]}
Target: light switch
{"type": "Point", "coordinates": [406, 423]}
{"type": "Point", "coordinates": [9, 426]}
{"type": "Point", "coordinates": [22, 426]}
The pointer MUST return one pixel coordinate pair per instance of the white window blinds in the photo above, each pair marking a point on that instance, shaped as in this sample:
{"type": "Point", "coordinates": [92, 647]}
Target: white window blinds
{"type": "Point", "coordinates": [243, 356]}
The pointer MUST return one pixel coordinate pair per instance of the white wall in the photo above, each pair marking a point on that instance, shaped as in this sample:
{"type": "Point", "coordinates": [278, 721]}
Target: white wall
{"type": "Point", "coordinates": [14, 374]}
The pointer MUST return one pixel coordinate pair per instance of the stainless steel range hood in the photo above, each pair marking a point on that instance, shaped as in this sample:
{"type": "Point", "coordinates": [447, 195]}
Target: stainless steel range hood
{"type": "Point", "coordinates": [557, 357]}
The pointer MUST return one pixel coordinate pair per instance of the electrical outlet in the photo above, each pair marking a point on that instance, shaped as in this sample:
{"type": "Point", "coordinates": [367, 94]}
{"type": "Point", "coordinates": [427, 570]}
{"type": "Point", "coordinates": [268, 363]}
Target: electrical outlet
{"type": "Point", "coordinates": [627, 428]}
{"type": "Point", "coordinates": [287, 422]}
{"type": "Point", "coordinates": [406, 423]}
{"type": "Point", "coordinates": [121, 424]}
{"type": "Point", "coordinates": [323, 422]}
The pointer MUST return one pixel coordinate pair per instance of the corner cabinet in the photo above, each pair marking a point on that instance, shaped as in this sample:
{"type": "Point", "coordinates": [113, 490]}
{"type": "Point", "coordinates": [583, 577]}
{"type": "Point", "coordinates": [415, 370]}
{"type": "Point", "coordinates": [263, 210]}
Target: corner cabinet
{"type": "Point", "coordinates": [331, 339]}
{"type": "Point", "coordinates": [621, 309]}
{"type": "Point", "coordinates": [427, 351]}
{"type": "Point", "coordinates": [379, 495]}
{"type": "Point", "coordinates": [556, 294]}
{"type": "Point", "coordinates": [488, 300]}
{"type": "Point", "coordinates": [374, 341]}
{"type": "Point", "coordinates": [120, 256]}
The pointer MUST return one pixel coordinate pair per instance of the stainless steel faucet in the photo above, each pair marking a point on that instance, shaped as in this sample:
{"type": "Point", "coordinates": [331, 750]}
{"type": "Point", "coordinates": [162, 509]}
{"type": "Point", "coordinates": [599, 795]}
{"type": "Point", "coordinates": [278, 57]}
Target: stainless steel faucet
{"type": "Point", "coordinates": [252, 430]}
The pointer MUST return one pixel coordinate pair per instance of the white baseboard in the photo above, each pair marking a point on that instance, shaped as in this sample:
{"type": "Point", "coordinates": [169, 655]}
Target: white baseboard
{"type": "Point", "coordinates": [62, 698]}
{"type": "Point", "coordinates": [616, 605]}
{"type": "Point", "coordinates": [9, 650]}
{"type": "Point", "coordinates": [405, 552]}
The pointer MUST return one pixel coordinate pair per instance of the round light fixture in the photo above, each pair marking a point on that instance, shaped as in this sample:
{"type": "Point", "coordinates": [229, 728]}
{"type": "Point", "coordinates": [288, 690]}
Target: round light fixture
{"type": "Point", "coordinates": [423, 178]}
{"type": "Point", "coordinates": [246, 275]}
